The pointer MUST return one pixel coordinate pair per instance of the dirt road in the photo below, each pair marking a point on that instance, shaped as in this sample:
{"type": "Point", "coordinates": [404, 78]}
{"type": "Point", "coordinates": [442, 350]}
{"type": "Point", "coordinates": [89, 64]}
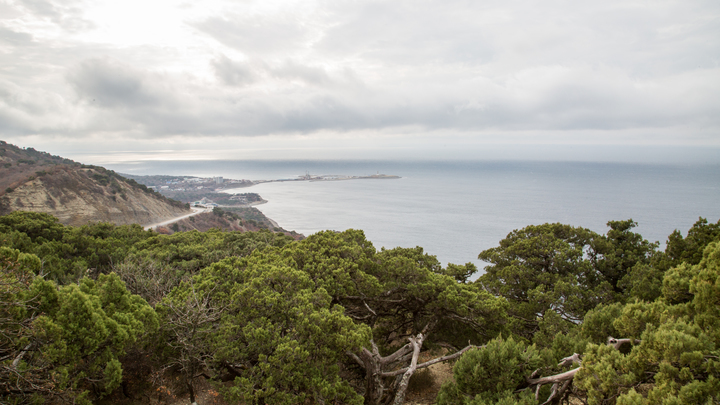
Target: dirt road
{"type": "Point", "coordinates": [170, 221]}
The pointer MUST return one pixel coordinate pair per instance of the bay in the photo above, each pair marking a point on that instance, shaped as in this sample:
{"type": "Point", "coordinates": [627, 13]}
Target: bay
{"type": "Point", "coordinates": [456, 209]}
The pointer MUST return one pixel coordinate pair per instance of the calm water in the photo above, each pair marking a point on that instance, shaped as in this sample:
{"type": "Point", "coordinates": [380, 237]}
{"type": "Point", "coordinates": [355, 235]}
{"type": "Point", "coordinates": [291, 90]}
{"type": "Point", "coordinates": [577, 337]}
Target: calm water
{"type": "Point", "coordinates": [457, 209]}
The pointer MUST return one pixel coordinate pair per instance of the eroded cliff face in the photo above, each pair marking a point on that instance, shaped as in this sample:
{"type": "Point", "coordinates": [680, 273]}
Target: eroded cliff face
{"type": "Point", "coordinates": [77, 196]}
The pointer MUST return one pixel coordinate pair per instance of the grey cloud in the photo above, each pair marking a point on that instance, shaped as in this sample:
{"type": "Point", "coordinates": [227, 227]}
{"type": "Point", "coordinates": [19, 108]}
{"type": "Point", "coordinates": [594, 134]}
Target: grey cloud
{"type": "Point", "coordinates": [308, 74]}
{"type": "Point", "coordinates": [240, 73]}
{"type": "Point", "coordinates": [549, 98]}
{"type": "Point", "coordinates": [14, 37]}
{"type": "Point", "coordinates": [255, 34]}
{"type": "Point", "coordinates": [232, 72]}
{"type": "Point", "coordinates": [34, 110]}
{"type": "Point", "coordinates": [109, 83]}
{"type": "Point", "coordinates": [637, 36]}
{"type": "Point", "coordinates": [407, 32]}
{"type": "Point", "coordinates": [454, 66]}
{"type": "Point", "coordinates": [67, 14]}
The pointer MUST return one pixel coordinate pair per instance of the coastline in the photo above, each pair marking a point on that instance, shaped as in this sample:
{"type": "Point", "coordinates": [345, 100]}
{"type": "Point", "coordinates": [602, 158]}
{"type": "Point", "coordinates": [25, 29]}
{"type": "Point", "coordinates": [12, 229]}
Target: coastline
{"type": "Point", "coordinates": [209, 192]}
{"type": "Point", "coordinates": [306, 177]}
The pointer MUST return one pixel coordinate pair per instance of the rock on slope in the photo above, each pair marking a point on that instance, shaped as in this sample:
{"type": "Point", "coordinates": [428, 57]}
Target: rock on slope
{"type": "Point", "coordinates": [76, 194]}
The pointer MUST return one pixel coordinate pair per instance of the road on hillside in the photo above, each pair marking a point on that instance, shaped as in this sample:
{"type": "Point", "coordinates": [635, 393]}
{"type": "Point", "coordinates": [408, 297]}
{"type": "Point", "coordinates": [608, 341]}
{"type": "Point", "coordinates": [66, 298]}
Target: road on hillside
{"type": "Point", "coordinates": [171, 220]}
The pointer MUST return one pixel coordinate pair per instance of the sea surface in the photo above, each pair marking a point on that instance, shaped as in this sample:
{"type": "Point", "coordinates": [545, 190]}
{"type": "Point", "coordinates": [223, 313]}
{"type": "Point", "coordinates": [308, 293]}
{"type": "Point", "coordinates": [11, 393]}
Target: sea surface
{"type": "Point", "coordinates": [456, 209]}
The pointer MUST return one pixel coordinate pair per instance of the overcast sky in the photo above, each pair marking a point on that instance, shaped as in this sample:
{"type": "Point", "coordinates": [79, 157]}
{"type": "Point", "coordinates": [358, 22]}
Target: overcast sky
{"type": "Point", "coordinates": [157, 79]}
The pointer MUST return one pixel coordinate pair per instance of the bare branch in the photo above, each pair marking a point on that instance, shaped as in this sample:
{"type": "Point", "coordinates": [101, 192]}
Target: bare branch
{"type": "Point", "coordinates": [555, 378]}
{"type": "Point", "coordinates": [20, 356]}
{"type": "Point", "coordinates": [368, 308]}
{"type": "Point", "coordinates": [398, 353]}
{"type": "Point", "coordinates": [416, 344]}
{"type": "Point", "coordinates": [566, 377]}
{"type": "Point", "coordinates": [356, 358]}
{"type": "Point", "coordinates": [616, 343]}
{"type": "Point", "coordinates": [574, 359]}
{"type": "Point", "coordinates": [431, 362]}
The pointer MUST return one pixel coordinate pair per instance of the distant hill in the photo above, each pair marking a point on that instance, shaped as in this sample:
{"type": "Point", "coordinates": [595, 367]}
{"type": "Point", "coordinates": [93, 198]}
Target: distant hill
{"type": "Point", "coordinates": [75, 193]}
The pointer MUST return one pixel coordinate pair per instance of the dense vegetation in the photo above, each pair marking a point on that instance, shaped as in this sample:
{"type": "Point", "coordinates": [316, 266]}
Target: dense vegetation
{"type": "Point", "coordinates": [227, 219]}
{"type": "Point", "coordinates": [560, 314]}
{"type": "Point", "coordinates": [22, 165]}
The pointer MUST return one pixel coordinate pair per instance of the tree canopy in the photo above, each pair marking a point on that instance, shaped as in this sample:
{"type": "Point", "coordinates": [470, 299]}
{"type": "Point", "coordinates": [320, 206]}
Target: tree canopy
{"type": "Point", "coordinates": [561, 314]}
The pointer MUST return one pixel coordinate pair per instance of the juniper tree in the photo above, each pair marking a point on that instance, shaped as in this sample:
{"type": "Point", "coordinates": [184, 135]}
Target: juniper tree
{"type": "Point", "coordinates": [64, 343]}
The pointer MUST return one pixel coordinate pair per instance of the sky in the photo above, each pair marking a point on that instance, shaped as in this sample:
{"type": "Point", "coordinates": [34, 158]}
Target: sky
{"type": "Point", "coordinates": [113, 81]}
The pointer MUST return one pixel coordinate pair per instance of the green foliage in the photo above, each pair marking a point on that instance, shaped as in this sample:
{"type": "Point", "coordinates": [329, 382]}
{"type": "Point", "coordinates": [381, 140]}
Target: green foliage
{"type": "Point", "coordinates": [690, 249]}
{"type": "Point", "coordinates": [545, 267]}
{"type": "Point", "coordinates": [101, 178]}
{"type": "Point", "coordinates": [599, 322]}
{"type": "Point", "coordinates": [676, 284]}
{"type": "Point", "coordinates": [677, 354]}
{"type": "Point", "coordinates": [291, 312]}
{"type": "Point", "coordinates": [64, 342]}
{"type": "Point", "coordinates": [621, 250]}
{"type": "Point", "coordinates": [276, 319]}
{"type": "Point", "coordinates": [280, 332]}
{"type": "Point", "coordinates": [461, 273]}
{"type": "Point", "coordinates": [643, 282]}
{"type": "Point", "coordinates": [38, 226]}
{"type": "Point", "coordinates": [490, 375]}
{"type": "Point", "coordinates": [69, 253]}
{"type": "Point", "coordinates": [89, 328]}
{"type": "Point", "coordinates": [553, 274]}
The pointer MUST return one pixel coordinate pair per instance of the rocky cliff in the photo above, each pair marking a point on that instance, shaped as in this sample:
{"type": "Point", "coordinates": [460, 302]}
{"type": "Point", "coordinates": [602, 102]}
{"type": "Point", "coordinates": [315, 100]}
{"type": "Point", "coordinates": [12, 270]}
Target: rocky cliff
{"type": "Point", "coordinates": [74, 193]}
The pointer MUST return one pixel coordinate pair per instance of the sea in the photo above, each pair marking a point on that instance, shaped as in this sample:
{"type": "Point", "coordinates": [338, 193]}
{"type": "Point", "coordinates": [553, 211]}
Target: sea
{"type": "Point", "coordinates": [457, 209]}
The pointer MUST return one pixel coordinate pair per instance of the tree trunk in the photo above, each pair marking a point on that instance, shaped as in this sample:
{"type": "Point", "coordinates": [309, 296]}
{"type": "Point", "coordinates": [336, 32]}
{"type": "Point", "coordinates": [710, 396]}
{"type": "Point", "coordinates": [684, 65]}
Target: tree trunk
{"type": "Point", "coordinates": [192, 392]}
{"type": "Point", "coordinates": [374, 365]}
{"type": "Point", "coordinates": [416, 343]}
{"type": "Point", "coordinates": [374, 387]}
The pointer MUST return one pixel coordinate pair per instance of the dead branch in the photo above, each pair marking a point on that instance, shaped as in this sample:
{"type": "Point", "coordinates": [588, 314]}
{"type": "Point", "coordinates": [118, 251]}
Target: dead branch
{"type": "Point", "coordinates": [555, 378]}
{"type": "Point", "coordinates": [433, 361]}
{"type": "Point", "coordinates": [416, 343]}
{"type": "Point", "coordinates": [574, 359]}
{"type": "Point", "coordinates": [566, 377]}
{"type": "Point", "coordinates": [616, 343]}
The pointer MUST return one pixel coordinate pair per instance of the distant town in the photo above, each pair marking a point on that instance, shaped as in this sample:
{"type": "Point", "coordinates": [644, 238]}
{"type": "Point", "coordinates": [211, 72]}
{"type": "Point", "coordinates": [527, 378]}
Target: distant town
{"type": "Point", "coordinates": [211, 191]}
{"type": "Point", "coordinates": [329, 177]}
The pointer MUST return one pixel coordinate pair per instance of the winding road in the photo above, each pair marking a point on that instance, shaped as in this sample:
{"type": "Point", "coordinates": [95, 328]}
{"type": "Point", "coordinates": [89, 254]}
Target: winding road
{"type": "Point", "coordinates": [171, 220]}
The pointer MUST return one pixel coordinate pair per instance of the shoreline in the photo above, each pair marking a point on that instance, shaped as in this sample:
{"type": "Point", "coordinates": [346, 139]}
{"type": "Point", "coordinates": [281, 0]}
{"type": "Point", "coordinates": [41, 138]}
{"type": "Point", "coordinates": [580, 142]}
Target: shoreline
{"type": "Point", "coordinates": [193, 184]}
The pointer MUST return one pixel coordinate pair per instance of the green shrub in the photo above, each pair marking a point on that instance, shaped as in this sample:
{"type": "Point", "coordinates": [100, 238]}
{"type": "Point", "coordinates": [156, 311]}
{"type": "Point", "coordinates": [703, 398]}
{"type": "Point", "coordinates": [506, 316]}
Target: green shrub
{"type": "Point", "coordinates": [491, 374]}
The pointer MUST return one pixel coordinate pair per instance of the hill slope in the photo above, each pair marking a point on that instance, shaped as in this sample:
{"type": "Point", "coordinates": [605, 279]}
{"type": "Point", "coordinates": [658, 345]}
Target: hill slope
{"type": "Point", "coordinates": [74, 193]}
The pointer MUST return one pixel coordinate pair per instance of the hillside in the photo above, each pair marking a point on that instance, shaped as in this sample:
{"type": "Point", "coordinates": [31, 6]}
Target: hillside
{"type": "Point", "coordinates": [243, 219]}
{"type": "Point", "coordinates": [75, 193]}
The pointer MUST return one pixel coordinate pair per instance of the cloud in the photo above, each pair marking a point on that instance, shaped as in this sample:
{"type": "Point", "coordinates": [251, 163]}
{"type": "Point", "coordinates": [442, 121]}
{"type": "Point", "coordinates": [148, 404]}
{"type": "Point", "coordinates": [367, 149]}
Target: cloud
{"type": "Point", "coordinates": [256, 34]}
{"type": "Point", "coordinates": [408, 32]}
{"type": "Point", "coordinates": [67, 14]}
{"type": "Point", "coordinates": [455, 67]}
{"type": "Point", "coordinates": [297, 71]}
{"type": "Point", "coordinates": [15, 38]}
{"type": "Point", "coordinates": [232, 73]}
{"type": "Point", "coordinates": [34, 110]}
{"type": "Point", "coordinates": [109, 83]}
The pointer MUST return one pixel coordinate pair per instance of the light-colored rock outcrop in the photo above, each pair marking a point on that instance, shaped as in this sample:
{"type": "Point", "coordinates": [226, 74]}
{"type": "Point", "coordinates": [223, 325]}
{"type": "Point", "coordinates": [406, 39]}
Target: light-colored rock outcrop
{"type": "Point", "coordinates": [76, 198]}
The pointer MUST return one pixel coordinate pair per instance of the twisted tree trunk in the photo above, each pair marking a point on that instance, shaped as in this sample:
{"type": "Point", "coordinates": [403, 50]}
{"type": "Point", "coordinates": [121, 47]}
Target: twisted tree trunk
{"type": "Point", "coordinates": [374, 365]}
{"type": "Point", "coordinates": [416, 343]}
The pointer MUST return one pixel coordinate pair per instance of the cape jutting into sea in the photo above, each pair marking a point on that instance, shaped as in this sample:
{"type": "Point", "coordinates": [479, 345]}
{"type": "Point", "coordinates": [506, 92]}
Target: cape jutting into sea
{"type": "Point", "coordinates": [457, 209]}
